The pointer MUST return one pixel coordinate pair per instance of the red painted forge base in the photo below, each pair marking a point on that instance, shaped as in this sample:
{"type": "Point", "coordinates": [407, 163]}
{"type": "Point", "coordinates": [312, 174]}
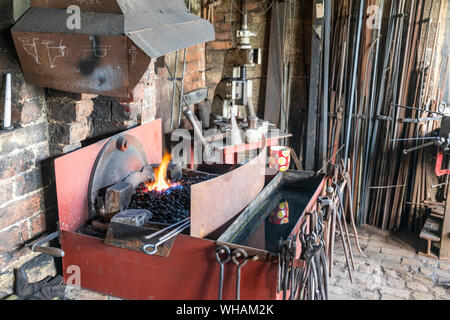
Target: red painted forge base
{"type": "Point", "coordinates": [189, 273]}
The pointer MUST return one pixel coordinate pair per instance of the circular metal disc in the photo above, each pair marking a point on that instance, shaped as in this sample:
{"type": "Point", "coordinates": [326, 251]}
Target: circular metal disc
{"type": "Point", "coordinates": [121, 155]}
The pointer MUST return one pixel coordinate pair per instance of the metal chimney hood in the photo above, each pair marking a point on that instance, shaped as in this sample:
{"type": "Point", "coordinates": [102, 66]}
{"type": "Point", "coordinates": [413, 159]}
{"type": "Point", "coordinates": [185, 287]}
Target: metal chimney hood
{"type": "Point", "coordinates": [113, 48]}
{"type": "Point", "coordinates": [162, 26]}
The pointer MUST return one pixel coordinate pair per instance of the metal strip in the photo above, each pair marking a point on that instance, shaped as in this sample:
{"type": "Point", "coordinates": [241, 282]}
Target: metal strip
{"type": "Point", "coordinates": [226, 196]}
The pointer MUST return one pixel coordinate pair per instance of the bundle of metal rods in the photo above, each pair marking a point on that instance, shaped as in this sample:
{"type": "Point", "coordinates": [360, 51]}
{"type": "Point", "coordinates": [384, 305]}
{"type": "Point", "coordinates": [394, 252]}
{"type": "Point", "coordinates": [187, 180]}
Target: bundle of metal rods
{"type": "Point", "coordinates": [386, 79]}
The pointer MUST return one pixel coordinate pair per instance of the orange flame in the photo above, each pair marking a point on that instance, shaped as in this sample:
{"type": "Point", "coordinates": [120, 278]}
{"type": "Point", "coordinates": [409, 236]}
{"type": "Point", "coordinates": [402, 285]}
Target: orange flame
{"type": "Point", "coordinates": [161, 182]}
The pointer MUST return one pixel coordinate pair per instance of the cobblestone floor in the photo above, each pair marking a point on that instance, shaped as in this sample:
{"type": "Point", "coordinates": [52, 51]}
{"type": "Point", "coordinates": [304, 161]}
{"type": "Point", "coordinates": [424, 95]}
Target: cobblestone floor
{"type": "Point", "coordinates": [388, 269]}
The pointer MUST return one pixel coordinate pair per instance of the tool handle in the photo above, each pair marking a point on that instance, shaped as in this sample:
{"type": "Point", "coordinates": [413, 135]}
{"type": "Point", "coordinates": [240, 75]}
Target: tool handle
{"type": "Point", "coordinates": [55, 252]}
{"type": "Point", "coordinates": [197, 130]}
{"type": "Point", "coordinates": [406, 151]}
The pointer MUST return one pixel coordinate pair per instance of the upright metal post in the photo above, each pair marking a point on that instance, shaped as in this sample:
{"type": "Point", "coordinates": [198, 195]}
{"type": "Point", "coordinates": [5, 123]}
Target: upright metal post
{"type": "Point", "coordinates": [313, 104]}
{"type": "Point", "coordinates": [182, 79]}
{"type": "Point", "coordinates": [353, 84]}
{"type": "Point", "coordinates": [326, 68]}
{"type": "Point", "coordinates": [174, 84]}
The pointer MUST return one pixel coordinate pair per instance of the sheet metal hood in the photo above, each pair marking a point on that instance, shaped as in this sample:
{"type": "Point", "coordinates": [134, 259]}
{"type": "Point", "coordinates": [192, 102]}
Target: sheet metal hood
{"type": "Point", "coordinates": [159, 27]}
{"type": "Point", "coordinates": [113, 48]}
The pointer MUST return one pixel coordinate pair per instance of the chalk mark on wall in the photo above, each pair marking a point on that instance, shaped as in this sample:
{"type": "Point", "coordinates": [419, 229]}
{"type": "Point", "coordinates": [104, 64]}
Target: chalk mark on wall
{"type": "Point", "coordinates": [133, 53]}
{"type": "Point", "coordinates": [31, 48]}
{"type": "Point", "coordinates": [95, 50]}
{"type": "Point", "coordinates": [61, 51]}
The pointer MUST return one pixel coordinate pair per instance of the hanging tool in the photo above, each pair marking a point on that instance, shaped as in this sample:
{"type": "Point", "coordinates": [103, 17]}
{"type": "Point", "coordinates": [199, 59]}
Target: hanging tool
{"type": "Point", "coordinates": [287, 269]}
{"type": "Point", "coordinates": [222, 250]}
{"type": "Point", "coordinates": [243, 256]}
{"type": "Point", "coordinates": [310, 282]}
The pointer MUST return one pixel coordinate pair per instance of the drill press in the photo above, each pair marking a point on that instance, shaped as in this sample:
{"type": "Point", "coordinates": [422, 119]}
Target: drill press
{"type": "Point", "coordinates": [232, 107]}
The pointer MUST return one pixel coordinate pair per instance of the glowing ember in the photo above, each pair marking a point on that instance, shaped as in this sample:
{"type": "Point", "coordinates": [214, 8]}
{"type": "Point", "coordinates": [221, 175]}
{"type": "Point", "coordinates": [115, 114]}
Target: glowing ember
{"type": "Point", "coordinates": [161, 182]}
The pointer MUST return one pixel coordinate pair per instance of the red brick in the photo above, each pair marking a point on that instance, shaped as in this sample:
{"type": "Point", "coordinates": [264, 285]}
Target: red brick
{"type": "Point", "coordinates": [37, 225]}
{"type": "Point", "coordinates": [16, 164]}
{"type": "Point", "coordinates": [9, 258]}
{"type": "Point", "coordinates": [148, 115]}
{"type": "Point", "coordinates": [31, 110]}
{"type": "Point", "coordinates": [21, 210]}
{"type": "Point", "coordinates": [192, 50]}
{"type": "Point", "coordinates": [220, 45]}
{"type": "Point", "coordinates": [221, 27]}
{"type": "Point", "coordinates": [13, 237]}
{"type": "Point", "coordinates": [192, 66]}
{"type": "Point", "coordinates": [195, 56]}
{"type": "Point", "coordinates": [138, 92]}
{"type": "Point", "coordinates": [224, 35]}
{"type": "Point", "coordinates": [6, 192]}
{"type": "Point", "coordinates": [253, 6]}
{"type": "Point", "coordinates": [70, 133]}
{"type": "Point", "coordinates": [65, 109]}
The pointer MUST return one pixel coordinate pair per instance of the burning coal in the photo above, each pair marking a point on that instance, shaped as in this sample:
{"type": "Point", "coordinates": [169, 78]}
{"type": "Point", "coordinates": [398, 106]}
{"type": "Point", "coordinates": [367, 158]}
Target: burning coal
{"type": "Point", "coordinates": [168, 201]}
{"type": "Point", "coordinates": [162, 183]}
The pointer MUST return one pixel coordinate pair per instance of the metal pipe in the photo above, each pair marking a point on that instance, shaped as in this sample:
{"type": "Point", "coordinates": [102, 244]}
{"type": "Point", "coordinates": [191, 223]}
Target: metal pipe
{"type": "Point", "coordinates": [353, 84]}
{"type": "Point", "coordinates": [197, 129]}
{"type": "Point", "coordinates": [406, 151]}
{"type": "Point", "coordinates": [326, 62]}
{"type": "Point", "coordinates": [153, 235]}
{"type": "Point", "coordinates": [174, 83]}
{"type": "Point", "coordinates": [182, 78]}
{"type": "Point", "coordinates": [191, 117]}
{"type": "Point", "coordinates": [380, 101]}
{"type": "Point", "coordinates": [7, 110]}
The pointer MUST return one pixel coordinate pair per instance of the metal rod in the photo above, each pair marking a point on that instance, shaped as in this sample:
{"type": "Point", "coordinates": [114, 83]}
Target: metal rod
{"type": "Point", "coordinates": [165, 238]}
{"type": "Point", "coordinates": [415, 139]}
{"type": "Point", "coordinates": [182, 78]}
{"type": "Point", "coordinates": [153, 235]}
{"type": "Point", "coordinates": [174, 83]}
{"type": "Point", "coordinates": [353, 84]}
{"type": "Point", "coordinates": [326, 62]}
{"type": "Point", "coordinates": [7, 110]}
{"type": "Point", "coordinates": [414, 108]}
{"type": "Point", "coordinates": [405, 151]}
{"type": "Point", "coordinates": [387, 187]}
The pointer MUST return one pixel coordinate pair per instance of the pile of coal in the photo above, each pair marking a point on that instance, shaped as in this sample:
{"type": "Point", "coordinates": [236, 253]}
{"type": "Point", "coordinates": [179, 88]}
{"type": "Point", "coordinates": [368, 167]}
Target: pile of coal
{"type": "Point", "coordinates": [169, 206]}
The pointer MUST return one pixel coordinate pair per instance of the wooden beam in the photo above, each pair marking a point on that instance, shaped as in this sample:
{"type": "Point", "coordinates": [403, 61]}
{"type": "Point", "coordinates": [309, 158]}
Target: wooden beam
{"type": "Point", "coordinates": [314, 86]}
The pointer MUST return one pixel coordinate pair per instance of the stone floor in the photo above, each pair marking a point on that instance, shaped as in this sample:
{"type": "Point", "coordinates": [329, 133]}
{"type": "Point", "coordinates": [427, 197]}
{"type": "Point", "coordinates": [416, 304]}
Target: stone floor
{"type": "Point", "coordinates": [388, 269]}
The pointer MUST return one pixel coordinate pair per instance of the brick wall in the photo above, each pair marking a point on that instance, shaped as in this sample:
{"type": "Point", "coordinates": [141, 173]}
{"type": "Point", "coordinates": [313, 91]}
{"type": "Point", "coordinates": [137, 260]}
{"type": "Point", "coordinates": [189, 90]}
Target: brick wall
{"type": "Point", "coordinates": [50, 123]}
{"type": "Point", "coordinates": [75, 118]}
{"type": "Point", "coordinates": [194, 79]}
{"type": "Point", "coordinates": [259, 19]}
{"type": "Point", "coordinates": [27, 200]}
{"type": "Point", "coordinates": [216, 51]}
